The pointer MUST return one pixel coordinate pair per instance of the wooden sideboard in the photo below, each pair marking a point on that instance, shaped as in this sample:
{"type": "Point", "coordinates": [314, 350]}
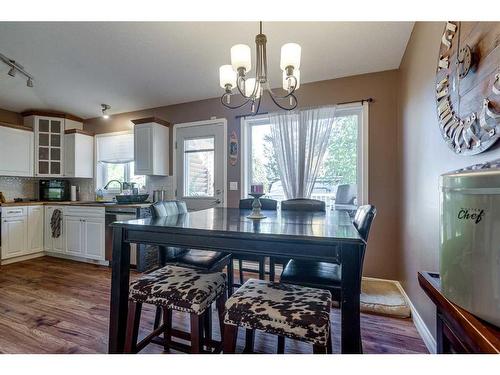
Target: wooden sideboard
{"type": "Point", "coordinates": [457, 330]}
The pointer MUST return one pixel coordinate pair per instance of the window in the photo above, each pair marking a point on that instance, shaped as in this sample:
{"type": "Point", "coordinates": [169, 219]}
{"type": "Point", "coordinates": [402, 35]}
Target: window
{"type": "Point", "coordinates": [345, 161]}
{"type": "Point", "coordinates": [199, 157]}
{"type": "Point", "coordinates": [115, 161]}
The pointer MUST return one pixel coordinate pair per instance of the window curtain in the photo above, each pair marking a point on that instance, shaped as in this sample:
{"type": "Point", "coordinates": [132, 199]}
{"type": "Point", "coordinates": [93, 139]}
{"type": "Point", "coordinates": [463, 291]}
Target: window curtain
{"type": "Point", "coordinates": [116, 148]}
{"type": "Point", "coordinates": [300, 139]}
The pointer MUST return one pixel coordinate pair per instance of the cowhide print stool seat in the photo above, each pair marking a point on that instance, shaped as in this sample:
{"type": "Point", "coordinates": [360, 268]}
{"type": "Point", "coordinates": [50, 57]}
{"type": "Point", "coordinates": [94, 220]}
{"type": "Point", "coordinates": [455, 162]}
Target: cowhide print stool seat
{"type": "Point", "coordinates": [285, 310]}
{"type": "Point", "coordinates": [182, 289]}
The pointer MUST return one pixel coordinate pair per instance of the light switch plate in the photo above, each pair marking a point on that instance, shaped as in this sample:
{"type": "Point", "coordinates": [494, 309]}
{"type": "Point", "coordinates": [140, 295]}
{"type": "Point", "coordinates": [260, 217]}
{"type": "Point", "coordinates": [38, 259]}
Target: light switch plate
{"type": "Point", "coordinates": [233, 185]}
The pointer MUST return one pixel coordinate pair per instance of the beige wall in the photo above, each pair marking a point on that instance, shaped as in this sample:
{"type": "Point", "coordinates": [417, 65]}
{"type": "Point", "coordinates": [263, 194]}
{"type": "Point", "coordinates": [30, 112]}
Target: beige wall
{"type": "Point", "coordinates": [10, 117]}
{"type": "Point", "coordinates": [424, 156]}
{"type": "Point", "coordinates": [382, 255]}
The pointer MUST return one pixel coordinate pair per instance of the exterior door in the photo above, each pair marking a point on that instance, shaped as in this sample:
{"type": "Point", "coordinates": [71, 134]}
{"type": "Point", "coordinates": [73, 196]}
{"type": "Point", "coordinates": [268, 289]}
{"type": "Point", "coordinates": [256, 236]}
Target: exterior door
{"type": "Point", "coordinates": [200, 168]}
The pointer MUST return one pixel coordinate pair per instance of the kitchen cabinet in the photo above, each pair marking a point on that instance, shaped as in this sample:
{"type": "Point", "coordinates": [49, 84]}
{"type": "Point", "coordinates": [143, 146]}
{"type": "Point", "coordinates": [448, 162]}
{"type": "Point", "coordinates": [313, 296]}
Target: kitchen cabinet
{"type": "Point", "coordinates": [94, 238]}
{"type": "Point", "coordinates": [16, 151]}
{"type": "Point", "coordinates": [74, 235]}
{"type": "Point", "coordinates": [35, 229]}
{"type": "Point", "coordinates": [14, 236]}
{"type": "Point", "coordinates": [84, 232]}
{"type": "Point", "coordinates": [51, 244]}
{"type": "Point", "coordinates": [78, 154]}
{"type": "Point", "coordinates": [151, 147]}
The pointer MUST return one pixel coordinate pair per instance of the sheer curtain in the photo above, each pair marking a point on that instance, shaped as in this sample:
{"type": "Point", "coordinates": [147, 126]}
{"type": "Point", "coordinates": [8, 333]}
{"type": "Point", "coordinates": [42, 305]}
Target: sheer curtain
{"type": "Point", "coordinates": [300, 139]}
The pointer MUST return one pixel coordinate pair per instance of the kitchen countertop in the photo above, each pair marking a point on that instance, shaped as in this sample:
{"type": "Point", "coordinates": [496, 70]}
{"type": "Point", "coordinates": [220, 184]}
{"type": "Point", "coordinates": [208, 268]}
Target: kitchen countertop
{"type": "Point", "coordinates": [77, 203]}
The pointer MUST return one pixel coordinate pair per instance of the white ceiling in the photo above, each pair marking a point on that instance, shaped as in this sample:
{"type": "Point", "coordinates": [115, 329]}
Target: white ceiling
{"type": "Point", "coordinates": [131, 66]}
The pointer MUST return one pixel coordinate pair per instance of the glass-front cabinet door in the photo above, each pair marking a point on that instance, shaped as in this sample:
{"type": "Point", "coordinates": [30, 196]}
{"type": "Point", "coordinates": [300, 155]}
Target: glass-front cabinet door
{"type": "Point", "coordinates": [49, 137]}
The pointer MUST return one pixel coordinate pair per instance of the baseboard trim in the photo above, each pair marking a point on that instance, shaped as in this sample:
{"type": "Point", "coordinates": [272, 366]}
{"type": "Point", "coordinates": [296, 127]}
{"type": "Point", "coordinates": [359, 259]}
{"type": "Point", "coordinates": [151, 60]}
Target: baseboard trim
{"type": "Point", "coordinates": [420, 325]}
{"type": "Point", "coordinates": [22, 258]}
{"type": "Point", "coordinates": [78, 259]}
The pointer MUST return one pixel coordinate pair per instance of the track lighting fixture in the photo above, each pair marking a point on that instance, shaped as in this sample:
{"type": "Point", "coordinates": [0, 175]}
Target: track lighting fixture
{"type": "Point", "coordinates": [104, 108]}
{"type": "Point", "coordinates": [16, 67]}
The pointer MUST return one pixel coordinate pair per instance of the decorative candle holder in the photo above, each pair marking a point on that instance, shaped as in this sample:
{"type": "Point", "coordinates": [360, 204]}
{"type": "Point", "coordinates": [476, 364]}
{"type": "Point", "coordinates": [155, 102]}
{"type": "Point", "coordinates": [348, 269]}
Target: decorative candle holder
{"type": "Point", "coordinates": [256, 206]}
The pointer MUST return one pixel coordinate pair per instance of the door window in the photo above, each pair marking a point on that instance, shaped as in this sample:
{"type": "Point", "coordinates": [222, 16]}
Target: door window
{"type": "Point", "coordinates": [199, 159]}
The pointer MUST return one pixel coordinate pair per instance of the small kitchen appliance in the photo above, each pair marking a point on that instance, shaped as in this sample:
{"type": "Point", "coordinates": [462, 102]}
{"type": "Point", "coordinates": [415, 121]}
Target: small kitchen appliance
{"type": "Point", "coordinates": [54, 190]}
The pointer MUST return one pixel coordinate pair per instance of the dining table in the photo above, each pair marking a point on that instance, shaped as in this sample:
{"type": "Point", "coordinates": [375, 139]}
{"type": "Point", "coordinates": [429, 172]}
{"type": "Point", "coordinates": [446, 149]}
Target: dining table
{"type": "Point", "coordinates": [317, 236]}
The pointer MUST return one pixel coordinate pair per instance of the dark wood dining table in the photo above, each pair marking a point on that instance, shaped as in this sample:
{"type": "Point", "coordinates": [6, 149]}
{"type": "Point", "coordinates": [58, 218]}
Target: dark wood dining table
{"type": "Point", "coordinates": [322, 236]}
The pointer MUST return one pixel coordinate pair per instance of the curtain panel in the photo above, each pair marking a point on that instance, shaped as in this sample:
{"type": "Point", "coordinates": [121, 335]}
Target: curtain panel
{"type": "Point", "coordinates": [300, 139]}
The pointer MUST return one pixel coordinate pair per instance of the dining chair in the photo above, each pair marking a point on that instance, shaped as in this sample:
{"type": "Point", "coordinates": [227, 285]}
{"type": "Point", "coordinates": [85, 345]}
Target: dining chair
{"type": "Point", "coordinates": [296, 204]}
{"type": "Point", "coordinates": [345, 198]}
{"type": "Point", "coordinates": [204, 260]}
{"type": "Point", "coordinates": [286, 310]}
{"type": "Point", "coordinates": [267, 204]}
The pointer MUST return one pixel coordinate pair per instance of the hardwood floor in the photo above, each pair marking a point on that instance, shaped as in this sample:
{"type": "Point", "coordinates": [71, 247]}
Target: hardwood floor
{"type": "Point", "coordinates": [50, 305]}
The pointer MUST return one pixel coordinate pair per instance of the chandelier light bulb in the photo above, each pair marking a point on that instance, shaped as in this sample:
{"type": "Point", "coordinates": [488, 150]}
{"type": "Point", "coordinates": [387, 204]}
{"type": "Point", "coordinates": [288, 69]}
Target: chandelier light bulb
{"type": "Point", "coordinates": [227, 76]}
{"type": "Point", "coordinates": [249, 86]}
{"type": "Point", "coordinates": [288, 81]}
{"type": "Point", "coordinates": [290, 56]}
{"type": "Point", "coordinates": [241, 57]}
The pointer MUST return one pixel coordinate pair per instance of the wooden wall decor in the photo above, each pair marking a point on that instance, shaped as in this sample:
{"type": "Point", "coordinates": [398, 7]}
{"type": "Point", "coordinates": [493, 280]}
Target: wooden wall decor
{"type": "Point", "coordinates": [468, 86]}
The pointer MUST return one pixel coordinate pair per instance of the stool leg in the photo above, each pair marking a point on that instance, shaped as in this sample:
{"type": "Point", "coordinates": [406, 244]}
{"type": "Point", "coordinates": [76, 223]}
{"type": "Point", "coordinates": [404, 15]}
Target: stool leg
{"type": "Point", "coordinates": [329, 346]}
{"type": "Point", "coordinates": [230, 278]}
{"type": "Point", "coordinates": [220, 303]}
{"type": "Point", "coordinates": [196, 333]}
{"type": "Point", "coordinates": [167, 333]}
{"type": "Point", "coordinates": [319, 349]}
{"type": "Point", "coordinates": [133, 322]}
{"type": "Point", "coordinates": [262, 268]}
{"type": "Point", "coordinates": [207, 323]}
{"type": "Point", "coordinates": [249, 340]}
{"type": "Point", "coordinates": [272, 270]}
{"type": "Point", "coordinates": [281, 345]}
{"type": "Point", "coordinates": [240, 269]}
{"type": "Point", "coordinates": [230, 337]}
{"type": "Point", "coordinates": [157, 317]}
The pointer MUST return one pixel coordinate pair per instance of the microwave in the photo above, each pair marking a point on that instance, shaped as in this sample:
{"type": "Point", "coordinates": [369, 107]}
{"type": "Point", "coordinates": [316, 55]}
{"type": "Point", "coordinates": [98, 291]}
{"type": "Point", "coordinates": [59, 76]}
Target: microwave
{"type": "Point", "coordinates": [54, 190]}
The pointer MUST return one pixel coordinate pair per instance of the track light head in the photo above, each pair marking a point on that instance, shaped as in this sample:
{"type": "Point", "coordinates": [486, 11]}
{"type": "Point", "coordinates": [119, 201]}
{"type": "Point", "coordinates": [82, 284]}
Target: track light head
{"type": "Point", "coordinates": [12, 72]}
{"type": "Point", "coordinates": [29, 82]}
{"type": "Point", "coordinates": [104, 108]}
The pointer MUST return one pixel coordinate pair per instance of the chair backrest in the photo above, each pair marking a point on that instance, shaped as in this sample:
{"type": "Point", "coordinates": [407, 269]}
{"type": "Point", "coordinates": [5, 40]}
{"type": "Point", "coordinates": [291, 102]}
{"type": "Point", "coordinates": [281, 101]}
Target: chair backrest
{"type": "Point", "coordinates": [346, 194]}
{"type": "Point", "coordinates": [303, 204]}
{"type": "Point", "coordinates": [267, 204]}
{"type": "Point", "coordinates": [168, 208]}
{"type": "Point", "coordinates": [363, 219]}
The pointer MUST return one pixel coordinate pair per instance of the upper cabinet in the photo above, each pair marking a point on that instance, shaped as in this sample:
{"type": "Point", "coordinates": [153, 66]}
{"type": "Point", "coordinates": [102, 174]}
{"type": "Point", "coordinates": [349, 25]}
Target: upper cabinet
{"type": "Point", "coordinates": [16, 150]}
{"type": "Point", "coordinates": [78, 154]}
{"type": "Point", "coordinates": [49, 142]}
{"type": "Point", "coordinates": [151, 146]}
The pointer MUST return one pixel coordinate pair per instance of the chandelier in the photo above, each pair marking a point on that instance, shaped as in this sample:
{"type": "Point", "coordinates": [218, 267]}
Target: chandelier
{"type": "Point", "coordinates": [251, 90]}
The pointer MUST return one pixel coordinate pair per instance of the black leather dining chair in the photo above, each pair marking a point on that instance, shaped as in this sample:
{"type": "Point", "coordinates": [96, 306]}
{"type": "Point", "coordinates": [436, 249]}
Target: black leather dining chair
{"type": "Point", "coordinates": [267, 204]}
{"type": "Point", "coordinates": [324, 275]}
{"type": "Point", "coordinates": [296, 204]}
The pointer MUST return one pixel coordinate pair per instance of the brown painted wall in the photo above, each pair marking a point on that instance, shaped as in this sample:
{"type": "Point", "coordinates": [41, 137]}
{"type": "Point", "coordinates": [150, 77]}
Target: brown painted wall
{"type": "Point", "coordinates": [424, 157]}
{"type": "Point", "coordinates": [381, 258]}
{"type": "Point", "coordinates": [10, 117]}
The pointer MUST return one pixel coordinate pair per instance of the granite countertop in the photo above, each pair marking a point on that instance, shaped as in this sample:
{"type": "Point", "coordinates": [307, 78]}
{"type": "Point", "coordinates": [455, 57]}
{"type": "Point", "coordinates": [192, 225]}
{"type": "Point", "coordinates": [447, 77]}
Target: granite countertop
{"type": "Point", "coordinates": [77, 203]}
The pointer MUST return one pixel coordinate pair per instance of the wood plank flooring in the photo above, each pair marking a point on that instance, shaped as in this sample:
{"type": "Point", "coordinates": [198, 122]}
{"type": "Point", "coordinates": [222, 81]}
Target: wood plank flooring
{"type": "Point", "coordinates": [50, 305]}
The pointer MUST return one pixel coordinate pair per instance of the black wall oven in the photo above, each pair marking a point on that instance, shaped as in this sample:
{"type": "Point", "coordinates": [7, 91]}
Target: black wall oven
{"type": "Point", "coordinates": [54, 190]}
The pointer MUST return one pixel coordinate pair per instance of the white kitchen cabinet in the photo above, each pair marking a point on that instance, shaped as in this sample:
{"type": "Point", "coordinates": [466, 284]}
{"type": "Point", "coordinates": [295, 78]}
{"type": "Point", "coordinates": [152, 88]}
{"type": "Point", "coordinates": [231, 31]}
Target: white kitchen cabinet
{"type": "Point", "coordinates": [14, 236]}
{"type": "Point", "coordinates": [151, 147]}
{"type": "Point", "coordinates": [78, 154]}
{"type": "Point", "coordinates": [94, 238]}
{"type": "Point", "coordinates": [35, 229]}
{"type": "Point", "coordinates": [16, 152]}
{"type": "Point", "coordinates": [74, 235]}
{"type": "Point", "coordinates": [54, 245]}
{"type": "Point", "coordinates": [49, 144]}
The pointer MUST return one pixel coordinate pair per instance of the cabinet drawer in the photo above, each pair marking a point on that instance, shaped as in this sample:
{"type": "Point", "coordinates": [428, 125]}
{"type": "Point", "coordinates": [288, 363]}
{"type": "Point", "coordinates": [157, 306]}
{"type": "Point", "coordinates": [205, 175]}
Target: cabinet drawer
{"type": "Point", "coordinates": [14, 211]}
{"type": "Point", "coordinates": [82, 212]}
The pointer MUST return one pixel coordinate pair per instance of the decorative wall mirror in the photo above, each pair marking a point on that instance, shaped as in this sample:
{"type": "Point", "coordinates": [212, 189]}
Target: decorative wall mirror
{"type": "Point", "coordinates": [468, 86]}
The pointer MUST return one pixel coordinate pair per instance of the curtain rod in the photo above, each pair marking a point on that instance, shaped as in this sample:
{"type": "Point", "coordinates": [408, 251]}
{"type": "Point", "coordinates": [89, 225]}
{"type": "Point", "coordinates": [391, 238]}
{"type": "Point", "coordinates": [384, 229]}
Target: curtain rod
{"type": "Point", "coordinates": [362, 101]}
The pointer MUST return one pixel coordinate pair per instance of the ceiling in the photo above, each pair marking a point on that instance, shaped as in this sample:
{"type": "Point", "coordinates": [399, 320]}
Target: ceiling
{"type": "Point", "coordinates": [137, 65]}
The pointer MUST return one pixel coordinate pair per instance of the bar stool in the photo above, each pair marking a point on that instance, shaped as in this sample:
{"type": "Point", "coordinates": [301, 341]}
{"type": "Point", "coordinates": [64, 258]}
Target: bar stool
{"type": "Point", "coordinates": [285, 310]}
{"type": "Point", "coordinates": [182, 289]}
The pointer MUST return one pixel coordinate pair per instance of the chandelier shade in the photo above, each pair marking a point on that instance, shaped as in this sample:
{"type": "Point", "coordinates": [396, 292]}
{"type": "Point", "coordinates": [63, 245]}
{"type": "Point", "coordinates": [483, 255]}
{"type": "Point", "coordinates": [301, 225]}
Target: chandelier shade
{"type": "Point", "coordinates": [250, 90]}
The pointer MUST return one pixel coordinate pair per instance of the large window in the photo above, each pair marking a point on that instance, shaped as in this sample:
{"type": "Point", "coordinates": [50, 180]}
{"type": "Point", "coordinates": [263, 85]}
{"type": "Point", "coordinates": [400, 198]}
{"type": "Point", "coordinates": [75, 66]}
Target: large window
{"type": "Point", "coordinates": [344, 162]}
{"type": "Point", "coordinates": [115, 161]}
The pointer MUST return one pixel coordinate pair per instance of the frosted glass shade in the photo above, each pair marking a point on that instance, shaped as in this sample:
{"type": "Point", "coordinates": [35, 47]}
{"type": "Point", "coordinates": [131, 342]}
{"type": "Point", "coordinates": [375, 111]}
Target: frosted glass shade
{"type": "Point", "coordinates": [296, 73]}
{"type": "Point", "coordinates": [227, 76]}
{"type": "Point", "coordinates": [290, 55]}
{"type": "Point", "coordinates": [249, 85]}
{"type": "Point", "coordinates": [241, 57]}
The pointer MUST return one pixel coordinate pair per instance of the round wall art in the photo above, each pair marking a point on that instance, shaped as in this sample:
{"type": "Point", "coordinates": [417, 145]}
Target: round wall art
{"type": "Point", "coordinates": [468, 86]}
